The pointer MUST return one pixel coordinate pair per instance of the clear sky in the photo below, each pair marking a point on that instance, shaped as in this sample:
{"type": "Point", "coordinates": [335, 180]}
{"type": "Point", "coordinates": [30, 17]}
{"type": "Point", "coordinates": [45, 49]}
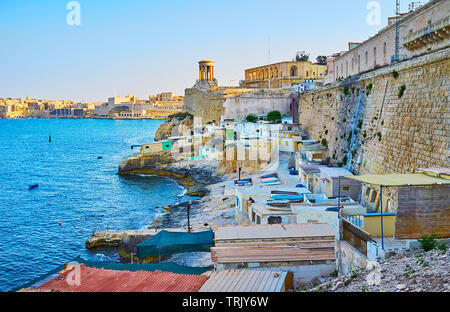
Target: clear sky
{"type": "Point", "coordinates": [145, 47]}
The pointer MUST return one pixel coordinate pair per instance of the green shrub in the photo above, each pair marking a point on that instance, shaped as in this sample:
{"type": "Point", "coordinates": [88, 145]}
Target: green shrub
{"type": "Point", "coordinates": [379, 136]}
{"type": "Point", "coordinates": [369, 88]}
{"type": "Point", "coordinates": [251, 118]}
{"type": "Point", "coordinates": [428, 242]}
{"type": "Point", "coordinates": [442, 246]}
{"type": "Point", "coordinates": [401, 90]}
{"type": "Point", "coordinates": [346, 91]}
{"type": "Point", "coordinates": [360, 123]}
{"type": "Point", "coordinates": [274, 116]}
{"type": "Point", "coordinates": [395, 74]}
{"type": "Point", "coordinates": [324, 142]}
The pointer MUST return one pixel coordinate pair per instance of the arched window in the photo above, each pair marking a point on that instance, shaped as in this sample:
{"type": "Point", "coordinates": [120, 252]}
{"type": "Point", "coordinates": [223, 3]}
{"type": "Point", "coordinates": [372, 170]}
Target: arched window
{"type": "Point", "coordinates": [375, 56]}
{"type": "Point", "coordinates": [294, 71]}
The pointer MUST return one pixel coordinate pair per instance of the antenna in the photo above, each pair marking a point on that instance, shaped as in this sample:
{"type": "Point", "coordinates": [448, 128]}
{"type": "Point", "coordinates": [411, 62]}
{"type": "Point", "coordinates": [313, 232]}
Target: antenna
{"type": "Point", "coordinates": [397, 30]}
{"type": "Point", "coordinates": [268, 70]}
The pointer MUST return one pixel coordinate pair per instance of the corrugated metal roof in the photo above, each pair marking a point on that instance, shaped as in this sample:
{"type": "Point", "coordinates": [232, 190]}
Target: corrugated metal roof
{"type": "Point", "coordinates": [308, 169]}
{"type": "Point", "coordinates": [275, 252]}
{"type": "Point", "coordinates": [100, 280]}
{"type": "Point", "coordinates": [267, 231]}
{"type": "Point", "coordinates": [414, 179]}
{"type": "Point", "coordinates": [244, 281]}
{"type": "Point", "coordinates": [274, 243]}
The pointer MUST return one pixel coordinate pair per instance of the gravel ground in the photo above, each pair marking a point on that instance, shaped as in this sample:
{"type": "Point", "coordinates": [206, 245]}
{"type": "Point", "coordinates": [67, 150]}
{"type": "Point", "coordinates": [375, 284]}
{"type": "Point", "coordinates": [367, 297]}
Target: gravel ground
{"type": "Point", "coordinates": [402, 271]}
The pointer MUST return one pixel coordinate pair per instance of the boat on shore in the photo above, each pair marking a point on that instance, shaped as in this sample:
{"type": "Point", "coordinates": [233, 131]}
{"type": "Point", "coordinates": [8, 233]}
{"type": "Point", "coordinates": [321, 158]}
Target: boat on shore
{"type": "Point", "coordinates": [33, 186]}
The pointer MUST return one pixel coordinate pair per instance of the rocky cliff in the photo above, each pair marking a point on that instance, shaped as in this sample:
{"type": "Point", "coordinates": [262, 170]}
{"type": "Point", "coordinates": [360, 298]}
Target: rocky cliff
{"type": "Point", "coordinates": [180, 125]}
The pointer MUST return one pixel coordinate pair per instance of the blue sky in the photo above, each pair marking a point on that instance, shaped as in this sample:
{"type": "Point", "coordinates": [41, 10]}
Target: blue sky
{"type": "Point", "coordinates": [145, 47]}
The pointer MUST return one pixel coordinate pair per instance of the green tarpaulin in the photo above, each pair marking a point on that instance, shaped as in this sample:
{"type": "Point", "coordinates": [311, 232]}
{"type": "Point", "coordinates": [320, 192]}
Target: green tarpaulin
{"type": "Point", "coordinates": [168, 243]}
{"type": "Point", "coordinates": [152, 267]}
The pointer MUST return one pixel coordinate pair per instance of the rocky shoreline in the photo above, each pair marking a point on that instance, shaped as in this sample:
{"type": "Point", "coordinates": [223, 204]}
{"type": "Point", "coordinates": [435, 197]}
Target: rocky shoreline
{"type": "Point", "coordinates": [203, 182]}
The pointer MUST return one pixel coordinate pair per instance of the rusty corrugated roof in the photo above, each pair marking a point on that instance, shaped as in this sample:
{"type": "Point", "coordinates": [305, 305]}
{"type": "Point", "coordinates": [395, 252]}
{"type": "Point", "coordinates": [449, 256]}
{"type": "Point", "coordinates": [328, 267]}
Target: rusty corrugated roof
{"type": "Point", "coordinates": [100, 280]}
{"type": "Point", "coordinates": [264, 243]}
{"type": "Point", "coordinates": [279, 252]}
{"type": "Point", "coordinates": [244, 281]}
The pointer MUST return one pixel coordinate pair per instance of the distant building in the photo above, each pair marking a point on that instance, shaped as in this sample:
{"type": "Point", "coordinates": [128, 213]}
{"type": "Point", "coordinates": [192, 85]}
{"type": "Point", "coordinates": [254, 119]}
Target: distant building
{"type": "Point", "coordinates": [67, 112]}
{"type": "Point", "coordinates": [283, 74]}
{"type": "Point", "coordinates": [158, 107]}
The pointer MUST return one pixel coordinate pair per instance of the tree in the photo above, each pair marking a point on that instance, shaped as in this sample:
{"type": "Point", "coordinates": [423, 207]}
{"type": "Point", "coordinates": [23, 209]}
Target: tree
{"type": "Point", "coordinates": [251, 118]}
{"type": "Point", "coordinates": [302, 57]}
{"type": "Point", "coordinates": [274, 116]}
{"type": "Point", "coordinates": [321, 60]}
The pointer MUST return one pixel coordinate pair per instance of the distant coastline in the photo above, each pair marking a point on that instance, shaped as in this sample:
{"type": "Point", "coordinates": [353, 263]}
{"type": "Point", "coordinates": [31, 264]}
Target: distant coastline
{"type": "Point", "coordinates": [86, 117]}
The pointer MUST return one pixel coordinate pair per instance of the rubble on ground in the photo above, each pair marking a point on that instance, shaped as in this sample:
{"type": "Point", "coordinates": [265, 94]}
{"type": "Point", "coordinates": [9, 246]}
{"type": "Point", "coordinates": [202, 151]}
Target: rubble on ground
{"type": "Point", "coordinates": [401, 271]}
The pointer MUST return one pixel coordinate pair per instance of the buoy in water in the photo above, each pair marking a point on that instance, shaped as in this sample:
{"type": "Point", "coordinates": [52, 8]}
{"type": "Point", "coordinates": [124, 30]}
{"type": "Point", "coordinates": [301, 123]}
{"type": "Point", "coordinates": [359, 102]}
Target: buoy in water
{"type": "Point", "coordinates": [50, 138]}
{"type": "Point", "coordinates": [100, 157]}
{"type": "Point", "coordinates": [60, 223]}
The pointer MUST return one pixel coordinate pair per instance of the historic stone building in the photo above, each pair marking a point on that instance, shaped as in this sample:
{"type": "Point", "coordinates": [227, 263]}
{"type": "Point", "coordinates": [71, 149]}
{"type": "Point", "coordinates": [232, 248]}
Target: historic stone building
{"type": "Point", "coordinates": [421, 31]}
{"type": "Point", "coordinates": [390, 120]}
{"type": "Point", "coordinates": [213, 103]}
{"type": "Point", "coordinates": [282, 74]}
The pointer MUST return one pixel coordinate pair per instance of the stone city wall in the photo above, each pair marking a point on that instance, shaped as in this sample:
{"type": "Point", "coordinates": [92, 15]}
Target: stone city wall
{"type": "Point", "coordinates": [392, 120]}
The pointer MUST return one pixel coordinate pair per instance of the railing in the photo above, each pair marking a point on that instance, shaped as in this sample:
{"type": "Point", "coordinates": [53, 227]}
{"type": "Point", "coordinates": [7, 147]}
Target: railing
{"type": "Point", "coordinates": [427, 30]}
{"type": "Point", "coordinates": [355, 236]}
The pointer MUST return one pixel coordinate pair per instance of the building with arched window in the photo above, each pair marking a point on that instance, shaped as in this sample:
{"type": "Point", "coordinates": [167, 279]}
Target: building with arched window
{"type": "Point", "coordinates": [279, 75]}
{"type": "Point", "coordinates": [423, 30]}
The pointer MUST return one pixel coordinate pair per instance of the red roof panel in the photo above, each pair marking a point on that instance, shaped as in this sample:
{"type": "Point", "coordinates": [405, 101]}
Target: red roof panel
{"type": "Point", "coordinates": [100, 280]}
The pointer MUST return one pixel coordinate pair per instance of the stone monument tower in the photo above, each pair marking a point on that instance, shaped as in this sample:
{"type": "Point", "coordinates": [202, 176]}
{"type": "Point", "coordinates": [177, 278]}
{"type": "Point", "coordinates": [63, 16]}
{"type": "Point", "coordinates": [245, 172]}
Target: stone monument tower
{"type": "Point", "coordinates": [206, 75]}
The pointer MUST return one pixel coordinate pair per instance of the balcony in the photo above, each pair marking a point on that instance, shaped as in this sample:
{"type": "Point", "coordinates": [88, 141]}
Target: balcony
{"type": "Point", "coordinates": [436, 32]}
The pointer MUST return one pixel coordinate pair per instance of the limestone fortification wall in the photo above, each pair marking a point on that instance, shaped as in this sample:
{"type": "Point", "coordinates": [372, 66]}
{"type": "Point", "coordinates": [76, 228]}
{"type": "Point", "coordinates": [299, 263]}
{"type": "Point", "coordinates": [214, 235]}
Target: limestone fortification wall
{"type": "Point", "coordinates": [371, 126]}
{"type": "Point", "coordinates": [228, 103]}
{"type": "Point", "coordinates": [203, 103]}
{"type": "Point", "coordinates": [257, 102]}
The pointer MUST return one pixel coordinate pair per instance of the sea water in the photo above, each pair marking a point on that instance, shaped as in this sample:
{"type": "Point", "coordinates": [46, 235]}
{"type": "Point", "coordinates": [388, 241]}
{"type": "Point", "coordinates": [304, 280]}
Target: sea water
{"type": "Point", "coordinates": [75, 187]}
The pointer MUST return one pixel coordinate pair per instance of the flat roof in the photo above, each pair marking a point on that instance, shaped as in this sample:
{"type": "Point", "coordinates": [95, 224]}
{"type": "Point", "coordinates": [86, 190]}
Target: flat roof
{"type": "Point", "coordinates": [264, 231]}
{"type": "Point", "coordinates": [260, 207]}
{"type": "Point", "coordinates": [314, 147]}
{"type": "Point", "coordinates": [244, 281]}
{"type": "Point", "coordinates": [335, 171]}
{"type": "Point", "coordinates": [308, 169]}
{"type": "Point", "coordinates": [413, 179]}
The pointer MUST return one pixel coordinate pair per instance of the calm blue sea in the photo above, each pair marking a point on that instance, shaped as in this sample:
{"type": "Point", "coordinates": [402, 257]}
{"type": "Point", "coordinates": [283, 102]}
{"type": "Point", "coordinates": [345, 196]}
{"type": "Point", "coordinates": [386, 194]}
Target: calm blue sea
{"type": "Point", "coordinates": [76, 187]}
